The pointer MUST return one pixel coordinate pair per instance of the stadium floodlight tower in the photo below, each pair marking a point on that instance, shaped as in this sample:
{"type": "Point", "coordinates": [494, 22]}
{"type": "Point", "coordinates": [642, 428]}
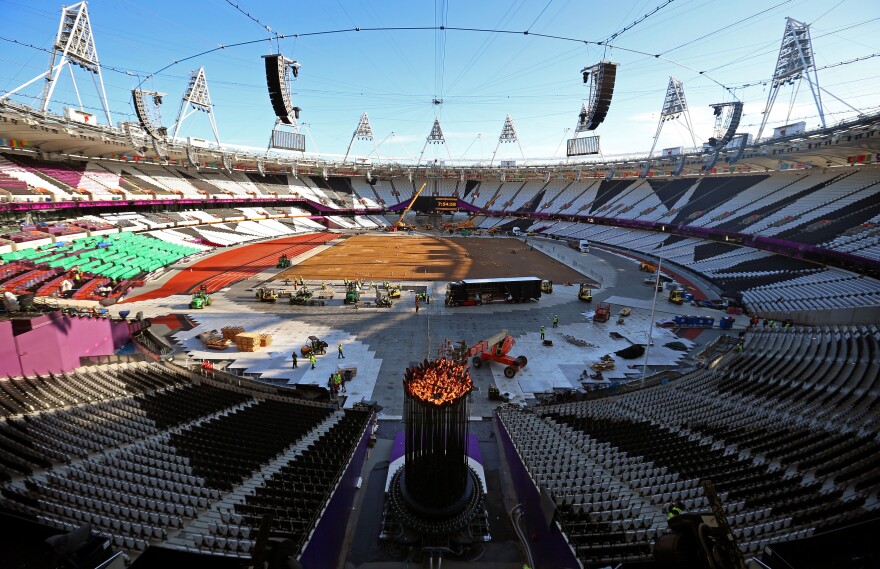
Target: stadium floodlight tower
{"type": "Point", "coordinates": [674, 106]}
{"type": "Point", "coordinates": [196, 98]}
{"type": "Point", "coordinates": [434, 137]}
{"type": "Point", "coordinates": [600, 79]}
{"type": "Point", "coordinates": [363, 132]}
{"type": "Point", "coordinates": [74, 45]}
{"type": "Point", "coordinates": [508, 135]}
{"type": "Point", "coordinates": [795, 62]}
{"type": "Point", "coordinates": [280, 73]}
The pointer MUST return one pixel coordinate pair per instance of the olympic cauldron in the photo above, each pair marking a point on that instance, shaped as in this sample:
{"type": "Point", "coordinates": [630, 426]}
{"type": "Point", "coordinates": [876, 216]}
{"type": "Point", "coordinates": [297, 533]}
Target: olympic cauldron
{"type": "Point", "coordinates": [436, 492]}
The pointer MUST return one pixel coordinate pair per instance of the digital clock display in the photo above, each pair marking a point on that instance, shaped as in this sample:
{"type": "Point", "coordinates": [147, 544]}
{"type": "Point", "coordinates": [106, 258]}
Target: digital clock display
{"type": "Point", "coordinates": [446, 204]}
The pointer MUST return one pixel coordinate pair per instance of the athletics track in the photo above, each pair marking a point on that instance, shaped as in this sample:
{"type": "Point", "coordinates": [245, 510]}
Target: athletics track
{"type": "Point", "coordinates": [221, 270]}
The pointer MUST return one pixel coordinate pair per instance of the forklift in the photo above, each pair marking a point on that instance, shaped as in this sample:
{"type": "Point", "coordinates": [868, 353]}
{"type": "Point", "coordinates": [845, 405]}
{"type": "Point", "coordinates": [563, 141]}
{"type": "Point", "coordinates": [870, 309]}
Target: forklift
{"type": "Point", "coordinates": [676, 296]}
{"type": "Point", "coordinates": [267, 295]}
{"type": "Point", "coordinates": [585, 293]}
{"type": "Point", "coordinates": [547, 287]}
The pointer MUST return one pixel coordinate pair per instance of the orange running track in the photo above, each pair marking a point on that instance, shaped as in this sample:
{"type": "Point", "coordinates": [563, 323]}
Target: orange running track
{"type": "Point", "coordinates": [220, 271]}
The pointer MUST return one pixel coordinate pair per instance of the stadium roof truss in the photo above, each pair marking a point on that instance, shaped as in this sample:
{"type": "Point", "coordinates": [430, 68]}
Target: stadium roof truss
{"type": "Point", "coordinates": [35, 131]}
{"type": "Point", "coordinates": [434, 137]}
{"type": "Point", "coordinates": [74, 45]}
{"type": "Point", "coordinates": [508, 135]}
{"type": "Point", "coordinates": [363, 131]}
{"type": "Point", "coordinates": [674, 106]}
{"type": "Point", "coordinates": [795, 62]}
{"type": "Point", "coordinates": [196, 98]}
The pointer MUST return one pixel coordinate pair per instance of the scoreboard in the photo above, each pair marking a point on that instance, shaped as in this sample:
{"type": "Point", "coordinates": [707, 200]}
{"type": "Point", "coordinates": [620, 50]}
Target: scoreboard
{"type": "Point", "coordinates": [446, 204]}
{"type": "Point", "coordinates": [427, 204]}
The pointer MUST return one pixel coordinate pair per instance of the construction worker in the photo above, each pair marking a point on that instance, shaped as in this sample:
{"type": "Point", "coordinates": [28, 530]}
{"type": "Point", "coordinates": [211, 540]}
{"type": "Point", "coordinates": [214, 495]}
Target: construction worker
{"type": "Point", "coordinates": [674, 510]}
{"type": "Point", "coordinates": [543, 329]}
{"type": "Point", "coordinates": [555, 321]}
{"type": "Point", "coordinates": [294, 360]}
{"type": "Point", "coordinates": [417, 305]}
{"type": "Point", "coordinates": [312, 360]}
{"type": "Point", "coordinates": [341, 355]}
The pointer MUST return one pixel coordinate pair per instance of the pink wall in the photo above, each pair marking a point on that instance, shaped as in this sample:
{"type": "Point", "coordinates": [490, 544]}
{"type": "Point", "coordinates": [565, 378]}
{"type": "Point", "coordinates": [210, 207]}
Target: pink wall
{"type": "Point", "coordinates": [53, 342]}
{"type": "Point", "coordinates": [9, 364]}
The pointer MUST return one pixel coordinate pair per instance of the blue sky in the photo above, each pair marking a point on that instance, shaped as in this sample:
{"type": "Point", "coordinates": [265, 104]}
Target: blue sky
{"type": "Point", "coordinates": [481, 77]}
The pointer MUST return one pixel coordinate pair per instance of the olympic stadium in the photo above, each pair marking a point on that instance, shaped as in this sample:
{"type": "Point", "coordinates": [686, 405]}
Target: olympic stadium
{"type": "Point", "coordinates": [220, 354]}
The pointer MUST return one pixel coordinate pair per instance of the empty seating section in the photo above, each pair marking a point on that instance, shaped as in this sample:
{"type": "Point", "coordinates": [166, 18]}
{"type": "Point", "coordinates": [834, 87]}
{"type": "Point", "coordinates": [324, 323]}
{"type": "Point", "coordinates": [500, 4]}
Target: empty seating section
{"type": "Point", "coordinates": [769, 282]}
{"type": "Point", "coordinates": [24, 395]}
{"type": "Point", "coordinates": [786, 430]}
{"type": "Point", "coordinates": [447, 188]}
{"type": "Point", "coordinates": [140, 452]}
{"type": "Point", "coordinates": [577, 198]}
{"type": "Point", "coordinates": [235, 184]}
{"type": "Point", "coordinates": [484, 193]}
{"type": "Point", "coordinates": [322, 191]}
{"type": "Point", "coordinates": [65, 177]}
{"type": "Point", "coordinates": [521, 195]}
{"type": "Point", "coordinates": [364, 194]}
{"type": "Point", "coordinates": [268, 185]}
{"type": "Point", "coordinates": [168, 180]}
{"type": "Point", "coordinates": [551, 191]}
{"type": "Point", "coordinates": [167, 237]}
{"type": "Point", "coordinates": [814, 208]}
{"type": "Point", "coordinates": [755, 196]}
{"type": "Point", "coordinates": [113, 256]}
{"type": "Point", "coordinates": [709, 193]}
{"type": "Point", "coordinates": [226, 449]}
{"type": "Point", "coordinates": [296, 494]}
{"type": "Point", "coordinates": [178, 238]}
{"type": "Point", "coordinates": [637, 198]}
{"type": "Point", "coordinates": [14, 174]}
{"type": "Point", "coordinates": [386, 193]}
{"type": "Point", "coordinates": [138, 181]}
{"type": "Point", "coordinates": [607, 191]}
{"type": "Point", "coordinates": [100, 183]}
{"type": "Point", "coordinates": [603, 516]}
{"type": "Point", "coordinates": [829, 288]}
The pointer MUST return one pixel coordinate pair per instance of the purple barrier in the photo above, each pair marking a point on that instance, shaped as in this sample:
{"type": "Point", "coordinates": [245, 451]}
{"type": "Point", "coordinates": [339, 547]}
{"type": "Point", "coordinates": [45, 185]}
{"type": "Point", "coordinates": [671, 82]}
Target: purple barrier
{"type": "Point", "coordinates": [84, 206]}
{"type": "Point", "coordinates": [323, 548]}
{"type": "Point", "coordinates": [549, 547]}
